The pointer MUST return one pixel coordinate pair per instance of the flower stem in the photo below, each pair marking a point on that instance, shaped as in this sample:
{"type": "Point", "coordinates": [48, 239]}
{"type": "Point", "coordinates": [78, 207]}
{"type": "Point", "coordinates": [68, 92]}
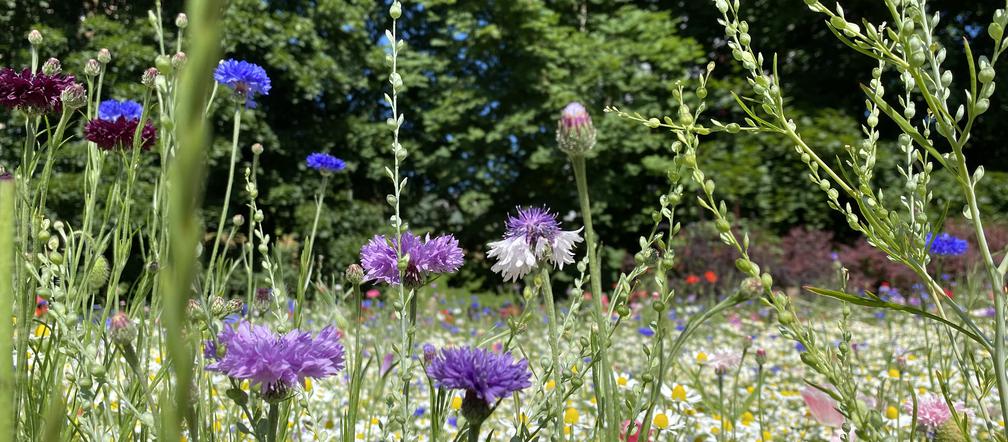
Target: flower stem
{"type": "Point", "coordinates": [603, 370]}
{"type": "Point", "coordinates": [547, 292]}
{"type": "Point", "coordinates": [272, 422]}
{"type": "Point", "coordinates": [227, 197]}
{"type": "Point", "coordinates": [7, 258]}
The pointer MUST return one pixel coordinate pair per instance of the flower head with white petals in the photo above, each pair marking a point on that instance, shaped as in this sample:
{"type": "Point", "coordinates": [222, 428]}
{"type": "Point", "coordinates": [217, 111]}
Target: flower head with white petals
{"type": "Point", "coordinates": [532, 235]}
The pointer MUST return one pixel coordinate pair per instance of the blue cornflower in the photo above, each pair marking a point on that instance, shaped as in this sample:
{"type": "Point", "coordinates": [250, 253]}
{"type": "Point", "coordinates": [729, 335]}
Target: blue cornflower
{"type": "Point", "coordinates": [646, 331]}
{"type": "Point", "coordinates": [324, 162]}
{"type": "Point", "coordinates": [111, 110]}
{"type": "Point", "coordinates": [246, 79]}
{"type": "Point", "coordinates": [946, 245]}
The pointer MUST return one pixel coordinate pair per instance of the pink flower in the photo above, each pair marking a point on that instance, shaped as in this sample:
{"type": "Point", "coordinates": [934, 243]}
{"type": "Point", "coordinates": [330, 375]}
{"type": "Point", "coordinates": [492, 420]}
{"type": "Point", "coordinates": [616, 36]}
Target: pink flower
{"type": "Point", "coordinates": [932, 411]}
{"type": "Point", "coordinates": [822, 407]}
{"type": "Point", "coordinates": [373, 293]}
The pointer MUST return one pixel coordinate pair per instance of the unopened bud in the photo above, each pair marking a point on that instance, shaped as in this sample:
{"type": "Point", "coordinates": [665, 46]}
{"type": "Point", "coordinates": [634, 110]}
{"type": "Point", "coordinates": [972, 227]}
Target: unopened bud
{"type": "Point", "coordinates": [104, 56]}
{"type": "Point", "coordinates": [575, 132]}
{"type": "Point", "coordinates": [121, 329]}
{"type": "Point", "coordinates": [355, 274]}
{"type": "Point", "coordinates": [257, 149]}
{"type": "Point", "coordinates": [74, 96]}
{"type": "Point", "coordinates": [35, 37]}
{"type": "Point", "coordinates": [148, 77]}
{"type": "Point", "coordinates": [181, 21]}
{"type": "Point", "coordinates": [238, 220]}
{"type": "Point", "coordinates": [51, 67]}
{"type": "Point", "coordinates": [395, 11]}
{"type": "Point", "coordinates": [761, 356]}
{"type": "Point", "coordinates": [92, 68]}
{"type": "Point", "coordinates": [178, 60]}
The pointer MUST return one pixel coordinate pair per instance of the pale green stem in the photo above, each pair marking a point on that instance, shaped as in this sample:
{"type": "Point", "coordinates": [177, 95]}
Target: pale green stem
{"type": "Point", "coordinates": [8, 195]}
{"type": "Point", "coordinates": [554, 341]}
{"type": "Point", "coordinates": [227, 198]}
{"type": "Point", "coordinates": [606, 402]}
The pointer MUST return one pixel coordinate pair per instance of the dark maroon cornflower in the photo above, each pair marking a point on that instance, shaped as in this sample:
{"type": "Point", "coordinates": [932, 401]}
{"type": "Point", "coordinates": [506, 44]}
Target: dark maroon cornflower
{"type": "Point", "coordinates": [116, 125]}
{"type": "Point", "coordinates": [429, 255]}
{"type": "Point", "coordinates": [35, 94]}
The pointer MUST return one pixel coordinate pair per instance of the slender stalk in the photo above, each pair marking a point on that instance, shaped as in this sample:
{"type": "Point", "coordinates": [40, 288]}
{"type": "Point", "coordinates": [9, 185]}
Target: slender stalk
{"type": "Point", "coordinates": [272, 422]}
{"type": "Point", "coordinates": [554, 334]}
{"type": "Point", "coordinates": [603, 369]}
{"type": "Point", "coordinates": [227, 197]}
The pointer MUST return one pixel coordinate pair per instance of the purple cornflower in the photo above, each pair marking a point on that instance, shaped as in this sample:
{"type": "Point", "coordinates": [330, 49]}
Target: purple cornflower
{"type": "Point", "coordinates": [946, 245]}
{"type": "Point", "coordinates": [111, 110]}
{"type": "Point", "coordinates": [246, 79]}
{"type": "Point", "coordinates": [489, 376]}
{"type": "Point", "coordinates": [37, 93]}
{"type": "Point", "coordinates": [116, 125]}
{"type": "Point", "coordinates": [275, 363]}
{"type": "Point", "coordinates": [533, 234]}
{"type": "Point", "coordinates": [324, 162]}
{"type": "Point", "coordinates": [430, 255]}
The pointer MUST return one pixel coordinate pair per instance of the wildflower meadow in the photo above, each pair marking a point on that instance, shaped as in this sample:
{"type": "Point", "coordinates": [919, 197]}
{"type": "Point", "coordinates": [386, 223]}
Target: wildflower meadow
{"type": "Point", "coordinates": [353, 221]}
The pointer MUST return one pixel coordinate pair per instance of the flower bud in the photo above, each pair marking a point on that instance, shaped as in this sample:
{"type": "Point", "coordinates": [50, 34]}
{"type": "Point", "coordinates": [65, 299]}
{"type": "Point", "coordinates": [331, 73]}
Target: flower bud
{"type": "Point", "coordinates": [575, 132]}
{"type": "Point", "coordinates": [181, 21]}
{"type": "Point", "coordinates": [257, 149]}
{"type": "Point", "coordinates": [761, 356]}
{"type": "Point", "coordinates": [238, 220]}
{"type": "Point", "coordinates": [429, 352]}
{"type": "Point", "coordinates": [148, 77]}
{"type": "Point", "coordinates": [121, 329]}
{"type": "Point", "coordinates": [92, 68]}
{"type": "Point", "coordinates": [35, 37]}
{"type": "Point", "coordinates": [355, 274]}
{"type": "Point", "coordinates": [51, 67]}
{"type": "Point", "coordinates": [99, 273]}
{"type": "Point", "coordinates": [178, 60]}
{"type": "Point", "coordinates": [74, 96]}
{"type": "Point", "coordinates": [104, 56]}
{"type": "Point", "coordinates": [218, 306]}
{"type": "Point", "coordinates": [163, 63]}
{"type": "Point", "coordinates": [234, 306]}
{"type": "Point", "coordinates": [395, 11]}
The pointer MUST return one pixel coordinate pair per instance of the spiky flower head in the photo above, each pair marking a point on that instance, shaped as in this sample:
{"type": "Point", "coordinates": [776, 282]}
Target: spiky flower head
{"type": "Point", "coordinates": [724, 360]}
{"type": "Point", "coordinates": [355, 274]}
{"type": "Point", "coordinates": [92, 68]}
{"type": "Point", "coordinates": [52, 66]}
{"type": "Point", "coordinates": [486, 375]}
{"type": "Point", "coordinates": [946, 245]}
{"type": "Point", "coordinates": [422, 257]}
{"type": "Point", "coordinates": [246, 79]}
{"type": "Point", "coordinates": [35, 37]}
{"type": "Point", "coordinates": [575, 132]}
{"type": "Point", "coordinates": [74, 96]}
{"type": "Point", "coordinates": [273, 362]}
{"type": "Point", "coordinates": [38, 93]}
{"type": "Point", "coordinates": [104, 56]}
{"type": "Point", "coordinates": [149, 76]}
{"type": "Point", "coordinates": [532, 235]}
{"type": "Point", "coordinates": [325, 163]}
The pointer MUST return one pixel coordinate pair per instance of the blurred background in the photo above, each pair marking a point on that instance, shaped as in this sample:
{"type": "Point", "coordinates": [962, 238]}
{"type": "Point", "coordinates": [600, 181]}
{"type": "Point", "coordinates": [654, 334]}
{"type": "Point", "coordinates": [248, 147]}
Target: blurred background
{"type": "Point", "coordinates": [485, 82]}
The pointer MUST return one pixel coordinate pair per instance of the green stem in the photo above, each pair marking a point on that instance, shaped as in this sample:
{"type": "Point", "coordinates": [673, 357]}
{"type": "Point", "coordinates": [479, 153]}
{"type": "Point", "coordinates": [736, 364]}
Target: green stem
{"type": "Point", "coordinates": [227, 197]}
{"type": "Point", "coordinates": [272, 422]}
{"type": "Point", "coordinates": [554, 341]}
{"type": "Point", "coordinates": [603, 370]}
{"type": "Point", "coordinates": [7, 259]}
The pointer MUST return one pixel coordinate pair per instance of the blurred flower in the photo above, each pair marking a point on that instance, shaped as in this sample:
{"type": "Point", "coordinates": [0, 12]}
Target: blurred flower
{"type": "Point", "coordinates": [430, 255]}
{"type": "Point", "coordinates": [723, 360]}
{"type": "Point", "coordinates": [646, 331]}
{"type": "Point", "coordinates": [35, 94]}
{"type": "Point", "coordinates": [111, 110]}
{"type": "Point", "coordinates": [41, 306]}
{"type": "Point", "coordinates": [246, 79]}
{"type": "Point", "coordinates": [946, 245]}
{"type": "Point", "coordinates": [533, 234]}
{"type": "Point", "coordinates": [692, 279]}
{"type": "Point", "coordinates": [121, 329]}
{"type": "Point", "coordinates": [710, 276]}
{"type": "Point", "coordinates": [822, 407]}
{"type": "Point", "coordinates": [272, 362]}
{"type": "Point", "coordinates": [489, 376]}
{"type": "Point", "coordinates": [325, 163]}
{"type": "Point", "coordinates": [932, 411]}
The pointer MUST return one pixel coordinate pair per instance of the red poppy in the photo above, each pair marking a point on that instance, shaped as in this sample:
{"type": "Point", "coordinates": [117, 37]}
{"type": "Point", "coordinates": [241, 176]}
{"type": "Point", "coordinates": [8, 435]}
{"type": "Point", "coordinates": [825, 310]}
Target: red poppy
{"type": "Point", "coordinates": [692, 279]}
{"type": "Point", "coordinates": [710, 276]}
{"type": "Point", "coordinates": [41, 306]}
{"type": "Point", "coordinates": [948, 292]}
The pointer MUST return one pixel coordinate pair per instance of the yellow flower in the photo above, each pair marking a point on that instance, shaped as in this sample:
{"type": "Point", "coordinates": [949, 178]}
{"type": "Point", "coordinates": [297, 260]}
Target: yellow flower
{"type": "Point", "coordinates": [766, 436]}
{"type": "Point", "coordinates": [360, 436]}
{"type": "Point", "coordinates": [41, 331]}
{"type": "Point", "coordinates": [567, 430]}
{"type": "Point", "coordinates": [701, 357]}
{"type": "Point", "coordinates": [456, 403]}
{"type": "Point", "coordinates": [550, 384]}
{"type": "Point", "coordinates": [891, 412]}
{"type": "Point", "coordinates": [661, 421]}
{"type": "Point", "coordinates": [571, 416]}
{"type": "Point", "coordinates": [375, 421]}
{"type": "Point", "coordinates": [622, 381]}
{"type": "Point", "coordinates": [894, 373]}
{"type": "Point", "coordinates": [307, 384]}
{"type": "Point", "coordinates": [747, 418]}
{"type": "Point", "coordinates": [679, 393]}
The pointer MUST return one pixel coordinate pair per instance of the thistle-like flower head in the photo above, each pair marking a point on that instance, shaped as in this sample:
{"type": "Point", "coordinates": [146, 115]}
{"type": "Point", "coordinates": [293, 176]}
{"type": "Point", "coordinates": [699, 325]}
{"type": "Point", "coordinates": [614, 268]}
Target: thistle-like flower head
{"type": "Point", "coordinates": [426, 256]}
{"type": "Point", "coordinates": [532, 235]}
{"type": "Point", "coordinates": [246, 79]}
{"type": "Point", "coordinates": [575, 132]}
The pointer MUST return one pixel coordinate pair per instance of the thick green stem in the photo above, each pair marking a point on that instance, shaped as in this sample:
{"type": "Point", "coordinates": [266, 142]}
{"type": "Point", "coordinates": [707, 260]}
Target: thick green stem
{"type": "Point", "coordinates": [603, 369]}
{"type": "Point", "coordinates": [272, 422]}
{"type": "Point", "coordinates": [557, 405]}
{"type": "Point", "coordinates": [7, 260]}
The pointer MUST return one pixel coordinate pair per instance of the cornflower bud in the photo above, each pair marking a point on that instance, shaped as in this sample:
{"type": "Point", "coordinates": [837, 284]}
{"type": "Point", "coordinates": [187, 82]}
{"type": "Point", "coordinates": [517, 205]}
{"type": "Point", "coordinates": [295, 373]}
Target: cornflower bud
{"type": "Point", "coordinates": [104, 56]}
{"type": "Point", "coordinates": [257, 149]}
{"type": "Point", "coordinates": [181, 21]}
{"type": "Point", "coordinates": [51, 67]}
{"type": "Point", "coordinates": [92, 68]}
{"type": "Point", "coordinates": [74, 96]}
{"type": "Point", "coordinates": [35, 37]}
{"type": "Point", "coordinates": [575, 132]}
{"type": "Point", "coordinates": [761, 356]}
{"type": "Point", "coordinates": [355, 274]}
{"type": "Point", "coordinates": [121, 329]}
{"type": "Point", "coordinates": [148, 77]}
{"type": "Point", "coordinates": [178, 60]}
